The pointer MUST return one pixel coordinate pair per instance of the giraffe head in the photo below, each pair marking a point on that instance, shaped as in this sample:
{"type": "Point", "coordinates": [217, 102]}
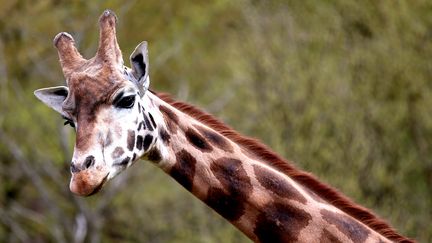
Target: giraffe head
{"type": "Point", "coordinates": [106, 104]}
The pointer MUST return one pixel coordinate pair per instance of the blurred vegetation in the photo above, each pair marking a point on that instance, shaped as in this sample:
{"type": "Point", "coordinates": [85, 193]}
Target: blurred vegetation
{"type": "Point", "coordinates": [341, 87]}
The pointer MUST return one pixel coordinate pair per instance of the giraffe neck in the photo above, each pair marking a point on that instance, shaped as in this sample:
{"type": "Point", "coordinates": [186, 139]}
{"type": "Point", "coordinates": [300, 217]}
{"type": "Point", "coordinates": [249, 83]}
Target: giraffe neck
{"type": "Point", "coordinates": [261, 201]}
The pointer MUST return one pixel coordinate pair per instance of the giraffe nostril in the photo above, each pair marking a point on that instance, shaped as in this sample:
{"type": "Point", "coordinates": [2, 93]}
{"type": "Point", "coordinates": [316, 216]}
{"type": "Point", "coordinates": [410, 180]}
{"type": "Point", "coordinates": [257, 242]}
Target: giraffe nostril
{"type": "Point", "coordinates": [89, 161]}
{"type": "Point", "coordinates": [74, 168]}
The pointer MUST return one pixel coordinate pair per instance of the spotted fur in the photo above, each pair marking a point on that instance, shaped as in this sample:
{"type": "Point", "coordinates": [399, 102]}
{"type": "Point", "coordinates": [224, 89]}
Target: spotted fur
{"type": "Point", "coordinates": [225, 204]}
{"type": "Point", "coordinates": [139, 142]}
{"type": "Point", "coordinates": [280, 223]}
{"type": "Point", "coordinates": [109, 139]}
{"type": "Point", "coordinates": [229, 201]}
{"type": "Point", "coordinates": [170, 119]}
{"type": "Point", "coordinates": [147, 141]}
{"type": "Point", "coordinates": [140, 125]}
{"type": "Point", "coordinates": [131, 140]}
{"type": "Point", "coordinates": [164, 136]}
{"type": "Point", "coordinates": [152, 120]}
{"type": "Point", "coordinates": [277, 185]}
{"type": "Point", "coordinates": [147, 122]}
{"type": "Point", "coordinates": [118, 151]}
{"type": "Point", "coordinates": [197, 140]}
{"type": "Point", "coordinates": [215, 139]}
{"type": "Point", "coordinates": [328, 237]}
{"type": "Point", "coordinates": [352, 229]}
{"type": "Point", "coordinates": [262, 153]}
{"type": "Point", "coordinates": [184, 170]}
{"type": "Point", "coordinates": [154, 155]}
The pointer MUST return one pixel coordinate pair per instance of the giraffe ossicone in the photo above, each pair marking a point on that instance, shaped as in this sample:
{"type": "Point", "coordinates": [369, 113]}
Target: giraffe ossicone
{"type": "Point", "coordinates": [118, 121]}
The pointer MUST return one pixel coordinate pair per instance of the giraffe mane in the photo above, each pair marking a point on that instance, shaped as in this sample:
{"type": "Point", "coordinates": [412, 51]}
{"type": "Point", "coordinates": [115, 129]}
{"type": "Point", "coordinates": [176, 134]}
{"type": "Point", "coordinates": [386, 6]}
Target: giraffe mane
{"type": "Point", "coordinates": [306, 179]}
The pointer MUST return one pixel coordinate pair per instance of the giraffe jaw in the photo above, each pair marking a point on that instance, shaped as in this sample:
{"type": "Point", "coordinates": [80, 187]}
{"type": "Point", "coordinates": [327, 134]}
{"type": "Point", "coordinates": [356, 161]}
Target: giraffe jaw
{"type": "Point", "coordinates": [99, 187]}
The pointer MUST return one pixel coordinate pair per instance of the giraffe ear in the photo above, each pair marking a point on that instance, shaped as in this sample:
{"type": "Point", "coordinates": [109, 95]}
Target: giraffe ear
{"type": "Point", "coordinates": [53, 97]}
{"type": "Point", "coordinates": [140, 65]}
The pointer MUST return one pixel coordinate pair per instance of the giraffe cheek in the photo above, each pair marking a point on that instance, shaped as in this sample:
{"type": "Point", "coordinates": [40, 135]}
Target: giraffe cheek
{"type": "Point", "coordinates": [87, 182]}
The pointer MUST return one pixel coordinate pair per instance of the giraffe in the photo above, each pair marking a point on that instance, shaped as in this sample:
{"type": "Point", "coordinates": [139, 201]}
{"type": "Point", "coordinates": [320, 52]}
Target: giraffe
{"type": "Point", "coordinates": [118, 120]}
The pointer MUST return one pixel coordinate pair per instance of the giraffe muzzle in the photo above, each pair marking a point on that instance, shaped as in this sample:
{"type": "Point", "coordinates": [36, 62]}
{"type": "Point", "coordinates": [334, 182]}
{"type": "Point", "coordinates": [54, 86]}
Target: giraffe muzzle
{"type": "Point", "coordinates": [88, 182]}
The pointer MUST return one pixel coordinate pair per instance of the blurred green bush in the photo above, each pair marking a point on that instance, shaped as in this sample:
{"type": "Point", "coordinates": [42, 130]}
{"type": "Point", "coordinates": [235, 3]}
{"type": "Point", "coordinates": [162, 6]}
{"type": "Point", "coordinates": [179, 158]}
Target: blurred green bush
{"type": "Point", "coordinates": [343, 88]}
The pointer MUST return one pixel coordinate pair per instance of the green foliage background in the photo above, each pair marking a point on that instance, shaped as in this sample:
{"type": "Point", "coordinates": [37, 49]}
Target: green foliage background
{"type": "Point", "coordinates": [341, 87]}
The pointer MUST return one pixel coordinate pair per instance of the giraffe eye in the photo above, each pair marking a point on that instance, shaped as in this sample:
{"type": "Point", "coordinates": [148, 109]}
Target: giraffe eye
{"type": "Point", "coordinates": [126, 102]}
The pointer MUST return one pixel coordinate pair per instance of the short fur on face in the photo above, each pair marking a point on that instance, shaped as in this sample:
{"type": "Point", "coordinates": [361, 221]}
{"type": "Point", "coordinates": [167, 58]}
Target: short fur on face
{"type": "Point", "coordinates": [106, 103]}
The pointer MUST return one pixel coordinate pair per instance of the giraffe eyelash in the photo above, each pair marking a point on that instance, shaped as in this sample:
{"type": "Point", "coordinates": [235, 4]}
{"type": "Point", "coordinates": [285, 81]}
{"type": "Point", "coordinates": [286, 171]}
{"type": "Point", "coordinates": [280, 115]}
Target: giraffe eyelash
{"type": "Point", "coordinates": [68, 122]}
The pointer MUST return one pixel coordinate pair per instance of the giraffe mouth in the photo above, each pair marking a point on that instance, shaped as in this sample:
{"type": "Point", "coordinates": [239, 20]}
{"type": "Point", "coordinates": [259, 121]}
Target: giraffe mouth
{"type": "Point", "coordinates": [99, 187]}
{"type": "Point", "coordinates": [86, 183]}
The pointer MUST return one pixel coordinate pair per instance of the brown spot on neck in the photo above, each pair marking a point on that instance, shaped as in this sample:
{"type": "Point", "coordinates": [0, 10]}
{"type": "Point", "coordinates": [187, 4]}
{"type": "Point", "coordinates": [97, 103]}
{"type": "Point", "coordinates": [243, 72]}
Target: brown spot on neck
{"type": "Point", "coordinates": [347, 225]}
{"type": "Point", "coordinates": [215, 139]}
{"type": "Point", "coordinates": [232, 176]}
{"type": "Point", "coordinates": [328, 237]}
{"type": "Point", "coordinates": [171, 119]}
{"type": "Point", "coordinates": [154, 155]}
{"type": "Point", "coordinates": [280, 223]}
{"type": "Point", "coordinates": [262, 153]}
{"type": "Point", "coordinates": [276, 184]}
{"type": "Point", "coordinates": [164, 136]}
{"type": "Point", "coordinates": [225, 204]}
{"type": "Point", "coordinates": [230, 200]}
{"type": "Point", "coordinates": [197, 140]}
{"type": "Point", "coordinates": [183, 170]}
